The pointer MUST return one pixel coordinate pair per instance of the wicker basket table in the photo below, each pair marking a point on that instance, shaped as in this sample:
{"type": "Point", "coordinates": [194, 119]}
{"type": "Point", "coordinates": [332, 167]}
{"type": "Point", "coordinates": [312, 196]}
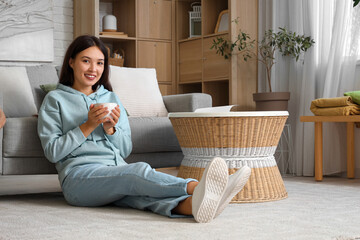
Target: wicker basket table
{"type": "Point", "coordinates": [241, 138]}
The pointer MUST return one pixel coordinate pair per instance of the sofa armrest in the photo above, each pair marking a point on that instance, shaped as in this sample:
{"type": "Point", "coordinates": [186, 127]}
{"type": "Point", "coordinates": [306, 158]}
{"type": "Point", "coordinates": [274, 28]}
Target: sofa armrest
{"type": "Point", "coordinates": [188, 102]}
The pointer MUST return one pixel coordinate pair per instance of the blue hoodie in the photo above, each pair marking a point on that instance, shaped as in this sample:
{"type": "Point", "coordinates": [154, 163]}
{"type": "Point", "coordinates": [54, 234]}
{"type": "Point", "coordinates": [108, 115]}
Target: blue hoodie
{"type": "Point", "coordinates": [62, 112]}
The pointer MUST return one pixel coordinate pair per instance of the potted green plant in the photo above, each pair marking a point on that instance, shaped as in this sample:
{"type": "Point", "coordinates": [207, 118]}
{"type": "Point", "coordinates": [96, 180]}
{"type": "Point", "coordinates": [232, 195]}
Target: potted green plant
{"type": "Point", "coordinates": [287, 43]}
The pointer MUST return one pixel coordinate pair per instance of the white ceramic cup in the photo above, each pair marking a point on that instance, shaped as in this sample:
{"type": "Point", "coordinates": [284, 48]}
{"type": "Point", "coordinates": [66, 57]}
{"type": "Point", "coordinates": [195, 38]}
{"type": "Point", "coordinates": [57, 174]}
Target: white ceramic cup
{"type": "Point", "coordinates": [110, 107]}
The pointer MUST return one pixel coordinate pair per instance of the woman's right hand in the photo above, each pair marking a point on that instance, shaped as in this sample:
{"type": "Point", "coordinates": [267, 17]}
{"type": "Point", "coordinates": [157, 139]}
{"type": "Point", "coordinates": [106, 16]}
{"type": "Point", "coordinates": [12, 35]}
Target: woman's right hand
{"type": "Point", "coordinates": [96, 114]}
{"type": "Point", "coordinates": [95, 117]}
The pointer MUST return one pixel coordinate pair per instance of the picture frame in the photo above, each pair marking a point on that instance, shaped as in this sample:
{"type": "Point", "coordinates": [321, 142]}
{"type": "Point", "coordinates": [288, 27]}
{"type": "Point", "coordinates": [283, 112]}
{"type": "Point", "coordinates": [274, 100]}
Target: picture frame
{"type": "Point", "coordinates": [222, 22]}
{"type": "Point", "coordinates": [29, 39]}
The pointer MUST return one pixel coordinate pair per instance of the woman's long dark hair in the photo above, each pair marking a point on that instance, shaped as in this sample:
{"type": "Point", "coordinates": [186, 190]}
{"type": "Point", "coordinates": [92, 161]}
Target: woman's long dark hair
{"type": "Point", "coordinates": [78, 45]}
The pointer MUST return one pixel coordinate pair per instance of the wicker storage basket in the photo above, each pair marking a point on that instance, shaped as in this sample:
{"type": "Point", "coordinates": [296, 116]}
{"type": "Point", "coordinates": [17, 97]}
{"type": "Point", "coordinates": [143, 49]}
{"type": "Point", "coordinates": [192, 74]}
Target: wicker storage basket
{"type": "Point", "coordinates": [241, 138]}
{"type": "Point", "coordinates": [117, 61]}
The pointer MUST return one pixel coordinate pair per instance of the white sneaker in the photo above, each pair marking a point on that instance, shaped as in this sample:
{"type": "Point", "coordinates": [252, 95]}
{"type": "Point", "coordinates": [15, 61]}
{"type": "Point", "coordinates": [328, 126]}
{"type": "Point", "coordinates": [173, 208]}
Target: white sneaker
{"type": "Point", "coordinates": [236, 182]}
{"type": "Point", "coordinates": [210, 190]}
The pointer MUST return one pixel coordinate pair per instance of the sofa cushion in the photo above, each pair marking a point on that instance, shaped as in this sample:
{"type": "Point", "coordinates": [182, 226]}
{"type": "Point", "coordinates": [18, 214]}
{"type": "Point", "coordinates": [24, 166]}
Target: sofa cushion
{"type": "Point", "coordinates": [27, 165]}
{"type": "Point", "coordinates": [21, 138]}
{"type": "Point", "coordinates": [48, 87]}
{"type": "Point", "coordinates": [41, 75]}
{"type": "Point", "coordinates": [148, 134]}
{"type": "Point", "coordinates": [153, 134]}
{"type": "Point", "coordinates": [17, 96]}
{"type": "Point", "coordinates": [138, 91]}
{"type": "Point", "coordinates": [157, 160]}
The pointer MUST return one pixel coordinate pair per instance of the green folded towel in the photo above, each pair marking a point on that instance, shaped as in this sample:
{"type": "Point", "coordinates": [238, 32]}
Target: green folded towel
{"type": "Point", "coordinates": [355, 96]}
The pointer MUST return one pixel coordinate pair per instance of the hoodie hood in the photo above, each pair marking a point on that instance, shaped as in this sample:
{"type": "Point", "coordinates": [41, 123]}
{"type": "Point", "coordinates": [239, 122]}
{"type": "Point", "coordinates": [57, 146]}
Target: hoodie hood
{"type": "Point", "coordinates": [100, 90]}
{"type": "Point", "coordinates": [89, 99]}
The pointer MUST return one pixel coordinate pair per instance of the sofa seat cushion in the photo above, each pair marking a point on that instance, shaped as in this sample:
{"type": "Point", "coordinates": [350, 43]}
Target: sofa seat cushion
{"type": "Point", "coordinates": [153, 134]}
{"type": "Point", "coordinates": [27, 166]}
{"type": "Point", "coordinates": [149, 134]}
{"type": "Point", "coordinates": [21, 138]}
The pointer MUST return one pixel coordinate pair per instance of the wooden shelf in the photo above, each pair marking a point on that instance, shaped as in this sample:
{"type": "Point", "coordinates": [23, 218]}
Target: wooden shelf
{"type": "Point", "coordinates": [189, 39]}
{"type": "Point", "coordinates": [193, 67]}
{"type": "Point", "coordinates": [216, 80]}
{"type": "Point", "coordinates": [154, 19]}
{"type": "Point", "coordinates": [188, 83]}
{"type": "Point", "coordinates": [219, 90]}
{"type": "Point", "coordinates": [205, 36]}
{"type": "Point", "coordinates": [216, 34]}
{"type": "Point", "coordinates": [201, 69]}
{"type": "Point", "coordinates": [150, 29]}
{"type": "Point", "coordinates": [153, 40]}
{"type": "Point", "coordinates": [117, 38]}
{"type": "Point", "coordinates": [190, 88]}
{"type": "Point", "coordinates": [165, 88]}
{"type": "Point", "coordinates": [210, 14]}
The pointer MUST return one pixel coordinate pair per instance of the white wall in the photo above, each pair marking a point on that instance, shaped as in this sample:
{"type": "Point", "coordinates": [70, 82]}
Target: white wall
{"type": "Point", "coordinates": [63, 33]}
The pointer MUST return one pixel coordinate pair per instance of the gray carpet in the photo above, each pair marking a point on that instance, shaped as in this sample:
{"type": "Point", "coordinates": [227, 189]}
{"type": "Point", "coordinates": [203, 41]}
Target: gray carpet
{"type": "Point", "coordinates": [313, 210]}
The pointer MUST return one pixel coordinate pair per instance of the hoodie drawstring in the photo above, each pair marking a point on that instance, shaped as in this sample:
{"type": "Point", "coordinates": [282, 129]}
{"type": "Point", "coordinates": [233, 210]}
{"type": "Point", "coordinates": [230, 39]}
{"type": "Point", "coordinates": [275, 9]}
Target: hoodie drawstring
{"type": "Point", "coordinates": [88, 103]}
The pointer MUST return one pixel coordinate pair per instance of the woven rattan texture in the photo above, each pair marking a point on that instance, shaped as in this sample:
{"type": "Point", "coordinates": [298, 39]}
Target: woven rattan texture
{"type": "Point", "coordinates": [265, 184]}
{"type": "Point", "coordinates": [228, 132]}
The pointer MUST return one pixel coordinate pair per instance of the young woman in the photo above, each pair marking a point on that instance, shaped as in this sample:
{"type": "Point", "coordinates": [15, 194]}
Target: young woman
{"type": "Point", "coordinates": [89, 150]}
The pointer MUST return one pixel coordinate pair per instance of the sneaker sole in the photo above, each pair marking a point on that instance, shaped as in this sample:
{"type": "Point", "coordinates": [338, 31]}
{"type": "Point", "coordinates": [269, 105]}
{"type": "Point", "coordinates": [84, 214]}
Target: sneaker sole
{"type": "Point", "coordinates": [215, 185]}
{"type": "Point", "coordinates": [237, 187]}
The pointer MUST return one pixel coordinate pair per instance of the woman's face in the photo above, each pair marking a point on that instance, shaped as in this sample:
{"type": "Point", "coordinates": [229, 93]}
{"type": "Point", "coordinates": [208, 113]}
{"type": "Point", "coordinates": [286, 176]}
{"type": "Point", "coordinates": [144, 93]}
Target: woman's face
{"type": "Point", "coordinates": [88, 67]}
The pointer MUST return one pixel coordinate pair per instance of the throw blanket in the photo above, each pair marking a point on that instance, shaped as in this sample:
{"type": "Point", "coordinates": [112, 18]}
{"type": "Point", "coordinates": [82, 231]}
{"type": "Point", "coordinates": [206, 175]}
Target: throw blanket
{"type": "Point", "coordinates": [340, 106]}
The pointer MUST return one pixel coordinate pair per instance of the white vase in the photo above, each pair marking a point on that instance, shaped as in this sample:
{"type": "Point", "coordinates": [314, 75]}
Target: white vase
{"type": "Point", "coordinates": [109, 23]}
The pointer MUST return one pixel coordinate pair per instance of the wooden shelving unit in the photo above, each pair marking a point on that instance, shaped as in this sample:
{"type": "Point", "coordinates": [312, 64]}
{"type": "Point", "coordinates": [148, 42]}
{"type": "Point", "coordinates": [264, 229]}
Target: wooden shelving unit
{"type": "Point", "coordinates": [200, 69]}
{"type": "Point", "coordinates": [158, 36]}
{"type": "Point", "coordinates": [150, 26]}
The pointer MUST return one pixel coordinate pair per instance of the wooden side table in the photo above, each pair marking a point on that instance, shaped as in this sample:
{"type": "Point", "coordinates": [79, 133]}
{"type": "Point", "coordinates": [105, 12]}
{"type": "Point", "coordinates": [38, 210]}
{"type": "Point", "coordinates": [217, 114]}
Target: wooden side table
{"type": "Point", "coordinates": [318, 120]}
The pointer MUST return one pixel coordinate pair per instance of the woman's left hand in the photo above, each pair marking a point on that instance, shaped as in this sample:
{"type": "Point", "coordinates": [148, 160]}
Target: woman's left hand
{"type": "Point", "coordinates": [111, 122]}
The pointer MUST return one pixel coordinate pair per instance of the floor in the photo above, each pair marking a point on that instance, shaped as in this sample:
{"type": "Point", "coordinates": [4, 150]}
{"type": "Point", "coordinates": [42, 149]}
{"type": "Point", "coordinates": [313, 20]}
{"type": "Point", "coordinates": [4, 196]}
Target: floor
{"type": "Point", "coordinates": [327, 210]}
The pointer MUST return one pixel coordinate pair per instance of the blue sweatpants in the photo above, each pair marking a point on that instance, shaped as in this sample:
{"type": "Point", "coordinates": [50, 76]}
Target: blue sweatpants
{"type": "Point", "coordinates": [134, 185]}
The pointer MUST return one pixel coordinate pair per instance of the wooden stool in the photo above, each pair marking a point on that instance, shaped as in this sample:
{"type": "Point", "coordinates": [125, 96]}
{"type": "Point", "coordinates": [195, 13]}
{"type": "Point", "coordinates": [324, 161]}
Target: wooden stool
{"type": "Point", "coordinates": [318, 120]}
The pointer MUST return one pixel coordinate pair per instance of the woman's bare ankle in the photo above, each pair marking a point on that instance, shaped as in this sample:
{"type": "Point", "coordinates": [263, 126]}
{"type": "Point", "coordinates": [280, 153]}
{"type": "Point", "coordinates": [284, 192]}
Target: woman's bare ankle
{"type": "Point", "coordinates": [184, 207]}
{"type": "Point", "coordinates": [191, 186]}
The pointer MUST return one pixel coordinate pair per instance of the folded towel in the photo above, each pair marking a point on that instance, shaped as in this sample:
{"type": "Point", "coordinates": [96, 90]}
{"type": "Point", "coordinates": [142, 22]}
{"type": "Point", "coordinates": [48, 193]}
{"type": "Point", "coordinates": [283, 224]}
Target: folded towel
{"type": "Point", "coordinates": [340, 106]}
{"type": "Point", "coordinates": [335, 111]}
{"type": "Point", "coordinates": [333, 102]}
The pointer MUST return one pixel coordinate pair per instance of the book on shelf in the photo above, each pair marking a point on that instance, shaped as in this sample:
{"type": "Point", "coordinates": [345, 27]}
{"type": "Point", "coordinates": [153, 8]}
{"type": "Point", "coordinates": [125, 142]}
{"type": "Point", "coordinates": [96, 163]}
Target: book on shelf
{"type": "Point", "coordinates": [114, 34]}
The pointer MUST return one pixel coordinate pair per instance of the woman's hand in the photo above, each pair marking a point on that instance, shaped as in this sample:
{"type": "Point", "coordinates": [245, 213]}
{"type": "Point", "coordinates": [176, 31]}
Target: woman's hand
{"type": "Point", "coordinates": [96, 114]}
{"type": "Point", "coordinates": [110, 123]}
{"type": "Point", "coordinates": [95, 117]}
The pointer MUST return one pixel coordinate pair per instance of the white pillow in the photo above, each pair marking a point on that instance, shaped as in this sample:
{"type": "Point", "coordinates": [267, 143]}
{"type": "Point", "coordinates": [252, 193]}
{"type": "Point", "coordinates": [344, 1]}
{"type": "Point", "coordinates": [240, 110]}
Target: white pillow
{"type": "Point", "coordinates": [138, 91]}
{"type": "Point", "coordinates": [15, 87]}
